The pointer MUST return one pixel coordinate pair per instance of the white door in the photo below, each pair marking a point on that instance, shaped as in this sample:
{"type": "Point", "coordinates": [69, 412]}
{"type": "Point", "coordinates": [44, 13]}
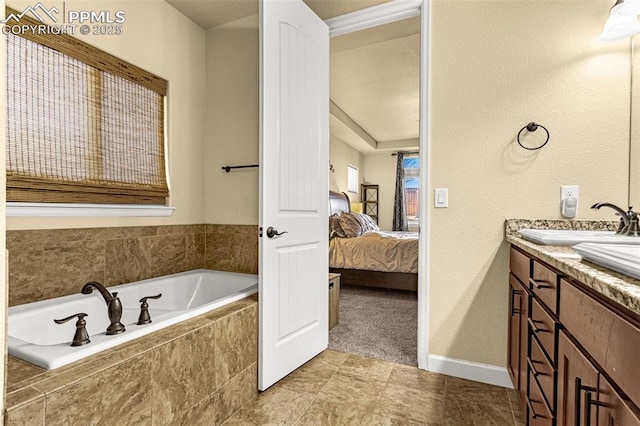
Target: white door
{"type": "Point", "coordinates": [294, 189]}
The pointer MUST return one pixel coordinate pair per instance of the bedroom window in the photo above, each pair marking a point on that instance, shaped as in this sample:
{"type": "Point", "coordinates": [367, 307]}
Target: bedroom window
{"type": "Point", "coordinates": [352, 178]}
{"type": "Point", "coordinates": [412, 188]}
{"type": "Point", "coordinates": [83, 126]}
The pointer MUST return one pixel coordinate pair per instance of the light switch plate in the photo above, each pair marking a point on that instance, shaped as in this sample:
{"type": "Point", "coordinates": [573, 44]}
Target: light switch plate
{"type": "Point", "coordinates": [441, 199]}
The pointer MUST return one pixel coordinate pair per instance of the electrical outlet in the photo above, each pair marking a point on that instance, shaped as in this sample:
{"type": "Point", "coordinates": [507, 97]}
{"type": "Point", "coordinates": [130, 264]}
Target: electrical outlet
{"type": "Point", "coordinates": [568, 191]}
{"type": "Point", "coordinates": [569, 201]}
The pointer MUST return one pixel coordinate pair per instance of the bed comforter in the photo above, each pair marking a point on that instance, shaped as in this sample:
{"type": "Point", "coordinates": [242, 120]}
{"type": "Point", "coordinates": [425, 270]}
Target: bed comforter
{"type": "Point", "coordinates": [376, 251]}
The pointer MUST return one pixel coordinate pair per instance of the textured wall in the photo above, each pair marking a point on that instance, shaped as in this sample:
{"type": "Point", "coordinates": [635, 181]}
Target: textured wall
{"type": "Point", "coordinates": [44, 264]}
{"type": "Point", "coordinates": [160, 40]}
{"type": "Point", "coordinates": [340, 155]}
{"type": "Point", "coordinates": [496, 66]}
{"type": "Point", "coordinates": [232, 136]}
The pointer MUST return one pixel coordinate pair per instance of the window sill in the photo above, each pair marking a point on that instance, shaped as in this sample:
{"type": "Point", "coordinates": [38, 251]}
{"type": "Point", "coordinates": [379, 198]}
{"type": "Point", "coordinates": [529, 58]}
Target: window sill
{"type": "Point", "coordinates": [86, 210]}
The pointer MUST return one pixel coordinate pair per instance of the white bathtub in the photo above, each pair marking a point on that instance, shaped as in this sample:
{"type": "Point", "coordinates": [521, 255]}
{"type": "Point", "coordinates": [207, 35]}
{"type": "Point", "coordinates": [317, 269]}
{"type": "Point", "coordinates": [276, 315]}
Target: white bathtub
{"type": "Point", "coordinates": [34, 337]}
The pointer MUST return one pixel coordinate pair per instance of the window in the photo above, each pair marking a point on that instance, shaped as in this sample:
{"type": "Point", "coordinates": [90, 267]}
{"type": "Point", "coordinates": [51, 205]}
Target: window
{"type": "Point", "coordinates": [412, 188]}
{"type": "Point", "coordinates": [352, 178]}
{"type": "Point", "coordinates": [83, 126]}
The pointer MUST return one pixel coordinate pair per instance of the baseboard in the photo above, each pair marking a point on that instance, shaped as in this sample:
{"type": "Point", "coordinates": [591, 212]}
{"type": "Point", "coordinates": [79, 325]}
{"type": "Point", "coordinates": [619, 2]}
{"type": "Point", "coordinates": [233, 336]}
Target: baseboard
{"type": "Point", "coordinates": [470, 370]}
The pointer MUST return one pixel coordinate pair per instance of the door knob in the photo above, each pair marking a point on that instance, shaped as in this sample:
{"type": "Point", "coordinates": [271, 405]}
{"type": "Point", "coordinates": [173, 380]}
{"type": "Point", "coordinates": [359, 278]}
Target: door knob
{"type": "Point", "coordinates": [272, 232]}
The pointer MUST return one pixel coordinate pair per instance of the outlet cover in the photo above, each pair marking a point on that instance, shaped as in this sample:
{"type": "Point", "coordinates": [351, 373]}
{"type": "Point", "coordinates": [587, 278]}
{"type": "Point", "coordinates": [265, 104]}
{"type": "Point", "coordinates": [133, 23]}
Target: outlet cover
{"type": "Point", "coordinates": [567, 191]}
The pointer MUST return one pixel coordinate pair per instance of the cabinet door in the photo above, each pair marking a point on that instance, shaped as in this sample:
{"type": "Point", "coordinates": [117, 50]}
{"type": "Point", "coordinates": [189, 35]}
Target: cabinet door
{"type": "Point", "coordinates": [613, 410]}
{"type": "Point", "coordinates": [515, 308]}
{"type": "Point", "coordinates": [576, 377]}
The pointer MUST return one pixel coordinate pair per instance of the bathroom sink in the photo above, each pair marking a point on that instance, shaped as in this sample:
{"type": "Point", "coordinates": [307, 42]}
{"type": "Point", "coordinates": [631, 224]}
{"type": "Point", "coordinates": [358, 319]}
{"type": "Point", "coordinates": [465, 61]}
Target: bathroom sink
{"type": "Point", "coordinates": [619, 257]}
{"type": "Point", "coordinates": [570, 237]}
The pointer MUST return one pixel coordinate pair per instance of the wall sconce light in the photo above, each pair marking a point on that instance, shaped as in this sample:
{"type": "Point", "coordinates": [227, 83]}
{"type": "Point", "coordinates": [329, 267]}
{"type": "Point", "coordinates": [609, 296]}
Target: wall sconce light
{"type": "Point", "coordinates": [622, 21]}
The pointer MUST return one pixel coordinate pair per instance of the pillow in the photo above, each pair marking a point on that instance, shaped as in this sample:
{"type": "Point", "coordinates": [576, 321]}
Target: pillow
{"type": "Point", "coordinates": [353, 224]}
{"type": "Point", "coordinates": [371, 224]}
{"type": "Point", "coordinates": [335, 230]}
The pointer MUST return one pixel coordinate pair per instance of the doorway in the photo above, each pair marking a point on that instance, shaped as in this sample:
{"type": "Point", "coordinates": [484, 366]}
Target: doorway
{"type": "Point", "coordinates": [368, 20]}
{"type": "Point", "coordinates": [374, 92]}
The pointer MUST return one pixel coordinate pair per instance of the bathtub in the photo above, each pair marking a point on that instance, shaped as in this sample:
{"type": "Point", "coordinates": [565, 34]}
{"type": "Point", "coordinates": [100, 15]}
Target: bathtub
{"type": "Point", "coordinates": [34, 337]}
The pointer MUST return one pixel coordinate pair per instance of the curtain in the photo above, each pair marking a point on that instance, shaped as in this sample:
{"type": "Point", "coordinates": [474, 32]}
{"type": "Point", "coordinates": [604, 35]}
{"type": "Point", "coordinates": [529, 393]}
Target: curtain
{"type": "Point", "coordinates": [399, 209]}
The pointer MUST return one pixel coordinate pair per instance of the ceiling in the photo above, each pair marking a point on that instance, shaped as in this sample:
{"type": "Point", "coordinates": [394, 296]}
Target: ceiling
{"type": "Point", "coordinates": [374, 73]}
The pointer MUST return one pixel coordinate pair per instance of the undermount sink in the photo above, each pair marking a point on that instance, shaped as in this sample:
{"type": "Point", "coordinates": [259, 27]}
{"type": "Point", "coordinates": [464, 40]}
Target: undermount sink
{"type": "Point", "coordinates": [623, 258]}
{"type": "Point", "coordinates": [570, 237]}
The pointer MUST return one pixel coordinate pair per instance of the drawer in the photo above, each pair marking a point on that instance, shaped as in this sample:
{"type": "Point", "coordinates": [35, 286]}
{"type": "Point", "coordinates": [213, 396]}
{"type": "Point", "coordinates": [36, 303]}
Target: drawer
{"type": "Point", "coordinates": [611, 340]}
{"type": "Point", "coordinates": [541, 369]}
{"type": "Point", "coordinates": [520, 265]}
{"type": "Point", "coordinates": [538, 411]}
{"type": "Point", "coordinates": [544, 284]}
{"type": "Point", "coordinates": [544, 328]}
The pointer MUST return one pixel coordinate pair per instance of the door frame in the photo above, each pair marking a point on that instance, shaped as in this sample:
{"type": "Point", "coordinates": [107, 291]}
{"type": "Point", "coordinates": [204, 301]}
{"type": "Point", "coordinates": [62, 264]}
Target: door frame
{"type": "Point", "coordinates": [386, 13]}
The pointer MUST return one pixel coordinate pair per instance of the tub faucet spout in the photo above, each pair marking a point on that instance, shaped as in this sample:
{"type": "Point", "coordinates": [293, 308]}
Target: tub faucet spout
{"type": "Point", "coordinates": [114, 306]}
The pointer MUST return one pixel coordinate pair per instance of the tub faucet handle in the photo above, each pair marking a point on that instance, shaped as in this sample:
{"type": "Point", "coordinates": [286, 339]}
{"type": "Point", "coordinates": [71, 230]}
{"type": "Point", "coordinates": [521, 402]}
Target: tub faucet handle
{"type": "Point", "coordinates": [81, 337]}
{"type": "Point", "coordinates": [144, 317]}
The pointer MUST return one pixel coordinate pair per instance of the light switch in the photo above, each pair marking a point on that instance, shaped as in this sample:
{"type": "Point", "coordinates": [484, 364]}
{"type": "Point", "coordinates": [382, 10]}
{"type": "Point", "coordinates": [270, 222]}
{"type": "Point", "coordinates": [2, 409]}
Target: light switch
{"type": "Point", "coordinates": [441, 197]}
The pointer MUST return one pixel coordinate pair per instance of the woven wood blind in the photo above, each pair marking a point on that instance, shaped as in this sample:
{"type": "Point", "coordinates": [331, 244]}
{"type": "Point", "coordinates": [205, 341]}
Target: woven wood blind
{"type": "Point", "coordinates": [82, 133]}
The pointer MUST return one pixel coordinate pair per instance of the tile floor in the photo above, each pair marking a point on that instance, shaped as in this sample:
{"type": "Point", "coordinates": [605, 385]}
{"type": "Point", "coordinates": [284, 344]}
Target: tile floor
{"type": "Point", "coordinates": [336, 388]}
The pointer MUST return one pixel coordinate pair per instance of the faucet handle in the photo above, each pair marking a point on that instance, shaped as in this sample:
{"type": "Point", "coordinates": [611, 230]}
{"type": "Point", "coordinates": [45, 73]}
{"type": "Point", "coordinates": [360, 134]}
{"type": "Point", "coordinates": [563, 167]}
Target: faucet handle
{"type": "Point", "coordinates": [144, 317]}
{"type": "Point", "coordinates": [81, 337]}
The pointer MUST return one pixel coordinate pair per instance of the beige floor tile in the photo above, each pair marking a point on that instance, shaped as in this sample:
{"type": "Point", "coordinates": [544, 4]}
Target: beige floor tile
{"type": "Point", "coordinates": [310, 378]}
{"type": "Point", "coordinates": [276, 406]}
{"type": "Point", "coordinates": [462, 413]}
{"type": "Point", "coordinates": [368, 368]}
{"type": "Point", "coordinates": [344, 388]}
{"type": "Point", "coordinates": [402, 403]}
{"type": "Point", "coordinates": [339, 413]}
{"type": "Point", "coordinates": [416, 379]}
{"type": "Point", "coordinates": [481, 393]}
{"type": "Point", "coordinates": [336, 358]}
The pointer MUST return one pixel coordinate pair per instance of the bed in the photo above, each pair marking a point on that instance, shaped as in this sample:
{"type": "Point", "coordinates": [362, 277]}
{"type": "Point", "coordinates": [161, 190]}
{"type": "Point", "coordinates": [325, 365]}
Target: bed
{"type": "Point", "coordinates": [375, 259]}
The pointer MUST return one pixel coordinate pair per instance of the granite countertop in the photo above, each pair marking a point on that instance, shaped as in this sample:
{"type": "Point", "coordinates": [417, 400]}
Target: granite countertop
{"type": "Point", "coordinates": [619, 288]}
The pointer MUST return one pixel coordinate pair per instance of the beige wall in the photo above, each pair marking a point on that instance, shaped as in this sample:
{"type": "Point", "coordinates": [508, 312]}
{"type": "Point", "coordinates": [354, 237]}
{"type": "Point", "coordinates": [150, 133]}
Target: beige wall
{"type": "Point", "coordinates": [380, 169]}
{"type": "Point", "coordinates": [340, 155]}
{"type": "Point", "coordinates": [232, 136]}
{"type": "Point", "coordinates": [161, 40]}
{"type": "Point", "coordinates": [496, 66]}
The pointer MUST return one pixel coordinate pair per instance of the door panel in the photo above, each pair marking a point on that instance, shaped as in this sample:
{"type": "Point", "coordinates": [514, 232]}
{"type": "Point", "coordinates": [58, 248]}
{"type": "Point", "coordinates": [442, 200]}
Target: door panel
{"type": "Point", "coordinates": [294, 113]}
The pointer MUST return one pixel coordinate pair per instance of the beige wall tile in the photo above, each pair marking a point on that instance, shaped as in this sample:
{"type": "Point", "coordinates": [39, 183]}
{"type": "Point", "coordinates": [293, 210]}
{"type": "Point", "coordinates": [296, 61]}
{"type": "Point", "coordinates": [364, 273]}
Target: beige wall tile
{"type": "Point", "coordinates": [56, 262]}
{"type": "Point", "coordinates": [27, 407]}
{"type": "Point", "coordinates": [236, 343]}
{"type": "Point", "coordinates": [118, 395]}
{"type": "Point", "coordinates": [232, 248]}
{"type": "Point", "coordinates": [126, 261]}
{"type": "Point", "coordinates": [183, 375]}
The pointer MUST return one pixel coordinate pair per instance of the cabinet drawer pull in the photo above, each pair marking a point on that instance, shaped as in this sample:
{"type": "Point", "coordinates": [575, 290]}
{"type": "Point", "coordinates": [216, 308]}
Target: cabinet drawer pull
{"type": "Point", "coordinates": [540, 284]}
{"type": "Point", "coordinates": [533, 412]}
{"type": "Point", "coordinates": [589, 402]}
{"type": "Point", "coordinates": [535, 328]}
{"type": "Point", "coordinates": [535, 372]}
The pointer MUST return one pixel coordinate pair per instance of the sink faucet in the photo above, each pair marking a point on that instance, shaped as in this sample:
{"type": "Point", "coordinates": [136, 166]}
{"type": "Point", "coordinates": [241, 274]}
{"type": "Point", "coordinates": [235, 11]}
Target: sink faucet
{"type": "Point", "coordinates": [114, 306]}
{"type": "Point", "coordinates": [628, 220]}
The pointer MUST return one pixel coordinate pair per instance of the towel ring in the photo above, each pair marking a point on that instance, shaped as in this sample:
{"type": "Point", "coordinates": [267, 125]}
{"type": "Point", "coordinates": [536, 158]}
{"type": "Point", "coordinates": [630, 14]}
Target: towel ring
{"type": "Point", "coordinates": [532, 127]}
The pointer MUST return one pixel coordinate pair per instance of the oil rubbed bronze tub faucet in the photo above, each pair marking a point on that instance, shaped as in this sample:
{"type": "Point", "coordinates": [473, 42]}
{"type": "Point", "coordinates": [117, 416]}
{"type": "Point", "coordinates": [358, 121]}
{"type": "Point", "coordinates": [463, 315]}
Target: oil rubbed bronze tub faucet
{"type": "Point", "coordinates": [114, 306]}
{"type": "Point", "coordinates": [628, 220]}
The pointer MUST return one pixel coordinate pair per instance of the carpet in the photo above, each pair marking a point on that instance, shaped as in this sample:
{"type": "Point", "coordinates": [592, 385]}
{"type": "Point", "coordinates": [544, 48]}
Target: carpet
{"type": "Point", "coordinates": [378, 323]}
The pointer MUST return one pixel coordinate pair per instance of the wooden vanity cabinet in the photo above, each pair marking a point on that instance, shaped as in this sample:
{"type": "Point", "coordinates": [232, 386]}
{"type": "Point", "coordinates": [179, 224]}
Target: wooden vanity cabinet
{"type": "Point", "coordinates": [518, 309]}
{"type": "Point", "coordinates": [577, 360]}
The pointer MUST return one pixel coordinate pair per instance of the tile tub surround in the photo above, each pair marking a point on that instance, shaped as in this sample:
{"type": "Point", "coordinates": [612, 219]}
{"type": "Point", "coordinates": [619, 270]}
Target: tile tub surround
{"type": "Point", "coordinates": [338, 388]}
{"type": "Point", "coordinates": [619, 288]}
{"type": "Point", "coordinates": [44, 264]}
{"type": "Point", "coordinates": [204, 368]}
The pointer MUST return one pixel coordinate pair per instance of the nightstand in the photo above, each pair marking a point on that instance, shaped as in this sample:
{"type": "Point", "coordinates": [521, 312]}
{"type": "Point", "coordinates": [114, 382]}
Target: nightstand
{"type": "Point", "coordinates": [334, 300]}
